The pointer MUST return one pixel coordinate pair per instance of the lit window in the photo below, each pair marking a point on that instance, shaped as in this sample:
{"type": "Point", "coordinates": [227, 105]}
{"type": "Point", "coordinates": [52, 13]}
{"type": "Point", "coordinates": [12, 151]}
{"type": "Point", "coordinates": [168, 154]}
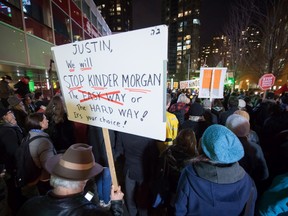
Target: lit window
{"type": "Point", "coordinates": [180, 14]}
{"type": "Point", "coordinates": [196, 21]}
{"type": "Point", "coordinates": [187, 37]}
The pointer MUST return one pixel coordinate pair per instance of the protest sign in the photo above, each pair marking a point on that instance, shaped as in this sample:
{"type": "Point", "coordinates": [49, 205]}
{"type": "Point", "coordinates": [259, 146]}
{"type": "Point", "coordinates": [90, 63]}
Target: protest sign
{"type": "Point", "coordinates": [189, 84]}
{"type": "Point", "coordinates": [117, 82]}
{"type": "Point", "coordinates": [212, 82]}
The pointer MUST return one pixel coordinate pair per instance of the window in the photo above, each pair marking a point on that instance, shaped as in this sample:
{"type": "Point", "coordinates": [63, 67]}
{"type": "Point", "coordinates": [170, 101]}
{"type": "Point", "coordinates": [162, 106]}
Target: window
{"type": "Point", "coordinates": [37, 17]}
{"type": "Point", "coordinates": [16, 3]}
{"type": "Point", "coordinates": [63, 4]}
{"type": "Point", "coordinates": [11, 15]}
{"type": "Point", "coordinates": [38, 10]}
{"type": "Point", "coordinates": [77, 32]}
{"type": "Point", "coordinates": [86, 9]}
{"type": "Point", "coordinates": [94, 20]}
{"type": "Point", "coordinates": [76, 13]}
{"type": "Point", "coordinates": [77, 2]}
{"type": "Point", "coordinates": [38, 29]}
{"type": "Point", "coordinates": [87, 36]}
{"type": "Point", "coordinates": [61, 26]}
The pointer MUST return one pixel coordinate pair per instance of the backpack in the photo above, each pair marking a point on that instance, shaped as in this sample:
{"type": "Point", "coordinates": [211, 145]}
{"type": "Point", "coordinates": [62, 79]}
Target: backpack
{"type": "Point", "coordinates": [167, 172]}
{"type": "Point", "coordinates": [26, 169]}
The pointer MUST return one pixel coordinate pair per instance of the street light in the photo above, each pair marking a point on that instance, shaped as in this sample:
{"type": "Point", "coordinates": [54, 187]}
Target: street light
{"type": "Point", "coordinates": [188, 66]}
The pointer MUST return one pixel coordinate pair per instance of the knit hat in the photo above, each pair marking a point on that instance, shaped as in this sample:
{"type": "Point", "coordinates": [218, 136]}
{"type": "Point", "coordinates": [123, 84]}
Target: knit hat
{"type": "Point", "coordinates": [238, 124]}
{"type": "Point", "coordinates": [77, 163]}
{"type": "Point", "coordinates": [241, 103]}
{"type": "Point", "coordinates": [3, 111]}
{"type": "Point", "coordinates": [243, 113]}
{"type": "Point", "coordinates": [13, 100]}
{"type": "Point", "coordinates": [221, 145]}
{"type": "Point", "coordinates": [196, 110]}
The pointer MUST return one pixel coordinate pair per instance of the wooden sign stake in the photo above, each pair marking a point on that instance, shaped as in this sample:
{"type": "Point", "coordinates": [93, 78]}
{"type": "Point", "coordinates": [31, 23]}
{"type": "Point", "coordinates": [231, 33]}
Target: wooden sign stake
{"type": "Point", "coordinates": [110, 157]}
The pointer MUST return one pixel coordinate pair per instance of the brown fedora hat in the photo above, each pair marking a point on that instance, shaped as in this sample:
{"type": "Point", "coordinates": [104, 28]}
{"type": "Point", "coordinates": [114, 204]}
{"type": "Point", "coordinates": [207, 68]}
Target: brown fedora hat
{"type": "Point", "coordinates": [77, 163]}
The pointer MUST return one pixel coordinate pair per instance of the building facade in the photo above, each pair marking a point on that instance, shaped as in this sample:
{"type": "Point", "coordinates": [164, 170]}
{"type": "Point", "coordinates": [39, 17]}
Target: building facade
{"type": "Point", "coordinates": [183, 19]}
{"type": "Point", "coordinates": [29, 28]}
{"type": "Point", "coordinates": [117, 14]}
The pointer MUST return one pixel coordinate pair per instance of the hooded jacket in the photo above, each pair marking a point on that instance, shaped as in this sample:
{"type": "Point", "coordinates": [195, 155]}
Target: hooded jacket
{"type": "Point", "coordinates": [208, 189]}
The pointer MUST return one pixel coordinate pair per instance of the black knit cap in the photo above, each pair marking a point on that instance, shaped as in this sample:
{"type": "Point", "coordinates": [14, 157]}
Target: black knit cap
{"type": "Point", "coordinates": [196, 109]}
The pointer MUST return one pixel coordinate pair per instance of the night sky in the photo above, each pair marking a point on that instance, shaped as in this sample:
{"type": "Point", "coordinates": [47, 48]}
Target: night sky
{"type": "Point", "coordinates": [214, 13]}
{"type": "Point", "coordinates": [146, 13]}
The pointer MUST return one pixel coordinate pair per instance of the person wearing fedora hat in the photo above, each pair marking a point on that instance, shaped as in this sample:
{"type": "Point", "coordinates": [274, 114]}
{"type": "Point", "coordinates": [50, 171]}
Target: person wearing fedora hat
{"type": "Point", "coordinates": [17, 106]}
{"type": "Point", "coordinates": [10, 138]}
{"type": "Point", "coordinates": [214, 183]}
{"type": "Point", "coordinates": [69, 173]}
{"type": "Point", "coordinates": [5, 90]}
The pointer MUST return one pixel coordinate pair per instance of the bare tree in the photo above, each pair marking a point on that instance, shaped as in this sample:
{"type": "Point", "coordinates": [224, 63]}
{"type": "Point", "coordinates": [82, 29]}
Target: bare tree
{"type": "Point", "coordinates": [240, 17]}
{"type": "Point", "coordinates": [272, 54]}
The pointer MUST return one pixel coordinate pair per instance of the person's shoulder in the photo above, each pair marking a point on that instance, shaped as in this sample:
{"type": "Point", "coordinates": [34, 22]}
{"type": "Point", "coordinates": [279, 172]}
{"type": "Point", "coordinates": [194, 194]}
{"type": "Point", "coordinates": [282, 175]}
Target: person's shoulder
{"type": "Point", "coordinates": [37, 135]}
{"type": "Point", "coordinates": [171, 116]}
{"type": "Point", "coordinates": [9, 129]}
{"type": "Point", "coordinates": [32, 206]}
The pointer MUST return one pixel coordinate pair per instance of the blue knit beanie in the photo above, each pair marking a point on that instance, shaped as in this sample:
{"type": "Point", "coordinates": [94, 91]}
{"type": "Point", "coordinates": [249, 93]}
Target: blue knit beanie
{"type": "Point", "coordinates": [221, 145]}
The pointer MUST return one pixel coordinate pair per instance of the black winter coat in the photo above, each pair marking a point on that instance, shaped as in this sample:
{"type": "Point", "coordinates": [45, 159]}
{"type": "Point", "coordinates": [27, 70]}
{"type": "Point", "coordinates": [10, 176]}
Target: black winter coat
{"type": "Point", "coordinates": [10, 139]}
{"type": "Point", "coordinates": [74, 205]}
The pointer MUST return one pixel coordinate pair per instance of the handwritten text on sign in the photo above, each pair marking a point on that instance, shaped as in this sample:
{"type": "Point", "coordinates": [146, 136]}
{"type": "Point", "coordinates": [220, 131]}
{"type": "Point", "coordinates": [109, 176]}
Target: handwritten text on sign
{"type": "Point", "coordinates": [116, 82]}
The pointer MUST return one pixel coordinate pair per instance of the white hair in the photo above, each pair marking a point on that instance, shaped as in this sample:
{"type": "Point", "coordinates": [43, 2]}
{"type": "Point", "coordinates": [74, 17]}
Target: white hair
{"type": "Point", "coordinates": [182, 98]}
{"type": "Point", "coordinates": [56, 181]}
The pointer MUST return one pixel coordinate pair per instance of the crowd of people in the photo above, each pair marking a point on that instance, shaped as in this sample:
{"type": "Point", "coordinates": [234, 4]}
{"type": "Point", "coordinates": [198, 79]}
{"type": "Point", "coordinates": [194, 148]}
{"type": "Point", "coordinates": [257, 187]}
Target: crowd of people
{"type": "Point", "coordinates": [220, 157]}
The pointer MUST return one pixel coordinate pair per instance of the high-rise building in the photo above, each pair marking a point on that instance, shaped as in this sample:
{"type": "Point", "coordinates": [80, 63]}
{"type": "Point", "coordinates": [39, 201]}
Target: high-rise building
{"type": "Point", "coordinates": [117, 14]}
{"type": "Point", "coordinates": [216, 53]}
{"type": "Point", "coordinates": [29, 28]}
{"type": "Point", "coordinates": [183, 19]}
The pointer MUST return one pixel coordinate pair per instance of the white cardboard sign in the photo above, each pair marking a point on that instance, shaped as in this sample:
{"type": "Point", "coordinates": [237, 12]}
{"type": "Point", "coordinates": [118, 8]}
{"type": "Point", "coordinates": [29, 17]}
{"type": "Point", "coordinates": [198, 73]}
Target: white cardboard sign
{"type": "Point", "coordinates": [117, 81]}
{"type": "Point", "coordinates": [212, 82]}
{"type": "Point", "coordinates": [189, 84]}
